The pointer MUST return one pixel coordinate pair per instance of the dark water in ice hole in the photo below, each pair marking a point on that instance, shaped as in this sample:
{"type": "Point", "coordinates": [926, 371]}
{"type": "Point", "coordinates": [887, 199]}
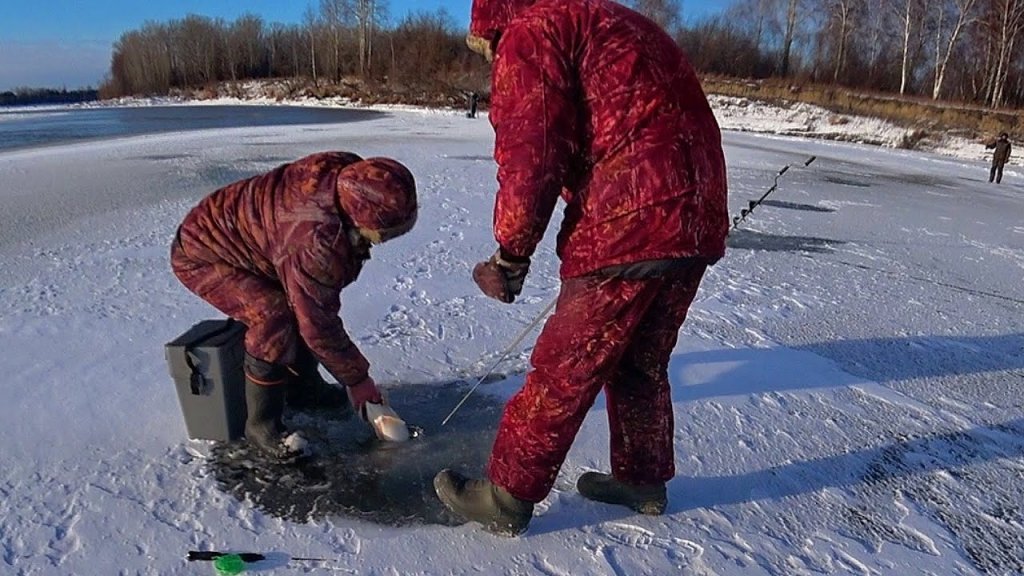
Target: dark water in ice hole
{"type": "Point", "coordinates": [356, 475]}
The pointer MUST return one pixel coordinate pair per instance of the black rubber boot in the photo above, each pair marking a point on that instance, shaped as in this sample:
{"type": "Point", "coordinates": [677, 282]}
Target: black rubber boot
{"type": "Point", "coordinates": [307, 390]}
{"type": "Point", "coordinates": [650, 500]}
{"type": "Point", "coordinates": [264, 402]}
{"type": "Point", "coordinates": [481, 501]}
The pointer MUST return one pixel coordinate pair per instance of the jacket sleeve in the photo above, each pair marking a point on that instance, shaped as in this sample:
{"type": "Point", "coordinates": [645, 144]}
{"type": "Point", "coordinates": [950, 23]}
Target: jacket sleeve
{"type": "Point", "coordinates": [534, 111]}
{"type": "Point", "coordinates": [313, 278]}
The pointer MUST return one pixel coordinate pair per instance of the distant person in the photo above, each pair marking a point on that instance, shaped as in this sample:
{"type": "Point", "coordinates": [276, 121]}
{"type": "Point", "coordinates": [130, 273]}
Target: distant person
{"type": "Point", "coordinates": [474, 101]}
{"type": "Point", "coordinates": [596, 104]}
{"type": "Point", "coordinates": [274, 252]}
{"type": "Point", "coordinates": [1000, 157]}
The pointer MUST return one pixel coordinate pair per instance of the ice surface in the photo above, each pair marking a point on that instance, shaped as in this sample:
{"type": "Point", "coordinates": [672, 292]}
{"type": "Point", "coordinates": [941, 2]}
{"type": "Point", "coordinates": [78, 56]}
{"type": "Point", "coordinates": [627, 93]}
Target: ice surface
{"type": "Point", "coordinates": [847, 388]}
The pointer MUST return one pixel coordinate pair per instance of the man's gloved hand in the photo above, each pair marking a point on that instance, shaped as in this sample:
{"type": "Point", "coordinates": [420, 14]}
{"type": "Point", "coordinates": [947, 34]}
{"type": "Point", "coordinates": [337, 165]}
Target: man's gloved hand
{"type": "Point", "coordinates": [363, 392]}
{"type": "Point", "coordinates": [501, 277]}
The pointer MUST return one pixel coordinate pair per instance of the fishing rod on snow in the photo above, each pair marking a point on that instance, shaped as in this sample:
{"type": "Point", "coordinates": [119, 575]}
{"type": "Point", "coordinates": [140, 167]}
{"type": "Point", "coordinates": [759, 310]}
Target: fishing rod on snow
{"type": "Point", "coordinates": [231, 563]}
{"type": "Point", "coordinates": [755, 203]}
{"type": "Point", "coordinates": [501, 358]}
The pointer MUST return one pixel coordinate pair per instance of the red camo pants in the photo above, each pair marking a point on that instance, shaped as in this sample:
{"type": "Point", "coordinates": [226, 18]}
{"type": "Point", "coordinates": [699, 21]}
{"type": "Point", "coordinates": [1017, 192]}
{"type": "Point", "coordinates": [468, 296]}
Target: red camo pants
{"type": "Point", "coordinates": [610, 333]}
{"type": "Point", "coordinates": [254, 300]}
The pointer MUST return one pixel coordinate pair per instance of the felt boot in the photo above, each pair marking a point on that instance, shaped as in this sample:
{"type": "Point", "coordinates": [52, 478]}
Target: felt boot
{"type": "Point", "coordinates": [481, 501]}
{"type": "Point", "coordinates": [650, 500]}
{"type": "Point", "coordinates": [264, 402]}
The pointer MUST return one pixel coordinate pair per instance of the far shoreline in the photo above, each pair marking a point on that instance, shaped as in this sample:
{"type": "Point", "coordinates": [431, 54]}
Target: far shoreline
{"type": "Point", "coordinates": [737, 114]}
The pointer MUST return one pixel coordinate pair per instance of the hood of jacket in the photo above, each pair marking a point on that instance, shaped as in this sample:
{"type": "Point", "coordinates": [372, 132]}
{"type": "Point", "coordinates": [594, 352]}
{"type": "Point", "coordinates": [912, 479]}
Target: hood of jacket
{"type": "Point", "coordinates": [379, 196]}
{"type": "Point", "coordinates": [490, 17]}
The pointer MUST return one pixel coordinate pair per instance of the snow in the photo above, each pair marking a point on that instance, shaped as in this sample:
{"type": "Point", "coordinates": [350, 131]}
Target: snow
{"type": "Point", "coordinates": [846, 389]}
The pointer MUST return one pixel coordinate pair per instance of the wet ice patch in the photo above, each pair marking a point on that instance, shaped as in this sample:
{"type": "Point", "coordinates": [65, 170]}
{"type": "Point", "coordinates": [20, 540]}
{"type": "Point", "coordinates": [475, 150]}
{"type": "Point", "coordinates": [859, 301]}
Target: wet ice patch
{"type": "Point", "coordinates": [352, 473]}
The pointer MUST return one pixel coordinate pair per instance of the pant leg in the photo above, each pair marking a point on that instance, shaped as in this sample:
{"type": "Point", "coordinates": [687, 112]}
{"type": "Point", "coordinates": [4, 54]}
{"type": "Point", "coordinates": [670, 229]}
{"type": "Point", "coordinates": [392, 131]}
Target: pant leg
{"type": "Point", "coordinates": [305, 364]}
{"type": "Point", "coordinates": [999, 174]}
{"type": "Point", "coordinates": [639, 398]}
{"type": "Point", "coordinates": [992, 173]}
{"type": "Point", "coordinates": [576, 354]}
{"type": "Point", "coordinates": [256, 301]}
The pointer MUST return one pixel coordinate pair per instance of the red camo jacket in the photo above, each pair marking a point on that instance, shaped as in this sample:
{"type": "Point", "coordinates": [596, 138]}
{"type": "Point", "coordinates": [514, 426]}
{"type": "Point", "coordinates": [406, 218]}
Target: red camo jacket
{"type": "Point", "coordinates": [286, 225]}
{"type": "Point", "coordinates": [597, 104]}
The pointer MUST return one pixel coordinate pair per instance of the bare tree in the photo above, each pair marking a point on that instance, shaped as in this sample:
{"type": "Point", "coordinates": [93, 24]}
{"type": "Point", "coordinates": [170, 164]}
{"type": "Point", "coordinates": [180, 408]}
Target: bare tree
{"type": "Point", "coordinates": [754, 15]}
{"type": "Point", "coordinates": [311, 30]}
{"type": "Point", "coordinates": [776, 25]}
{"type": "Point", "coordinates": [946, 38]}
{"type": "Point", "coordinates": [1003, 23]}
{"type": "Point", "coordinates": [721, 45]}
{"type": "Point", "coordinates": [275, 40]}
{"type": "Point", "coordinates": [667, 13]}
{"type": "Point", "coordinates": [243, 47]}
{"type": "Point", "coordinates": [334, 13]}
{"type": "Point", "coordinates": [425, 45]}
{"type": "Point", "coordinates": [840, 22]}
{"type": "Point", "coordinates": [199, 47]}
{"type": "Point", "coordinates": [128, 62]}
{"type": "Point", "coordinates": [791, 20]}
{"type": "Point", "coordinates": [875, 47]}
{"type": "Point", "coordinates": [286, 47]}
{"type": "Point", "coordinates": [909, 14]}
{"type": "Point", "coordinates": [368, 15]}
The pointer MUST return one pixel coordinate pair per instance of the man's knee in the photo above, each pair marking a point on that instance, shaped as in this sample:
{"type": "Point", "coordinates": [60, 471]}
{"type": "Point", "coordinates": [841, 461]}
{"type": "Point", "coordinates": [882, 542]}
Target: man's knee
{"type": "Point", "coordinates": [263, 372]}
{"type": "Point", "coordinates": [273, 338]}
{"type": "Point", "coordinates": [643, 369]}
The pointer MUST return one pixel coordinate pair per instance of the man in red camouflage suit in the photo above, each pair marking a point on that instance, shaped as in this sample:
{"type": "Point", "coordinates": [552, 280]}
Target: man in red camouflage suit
{"type": "Point", "coordinates": [274, 252]}
{"type": "Point", "coordinates": [594, 103]}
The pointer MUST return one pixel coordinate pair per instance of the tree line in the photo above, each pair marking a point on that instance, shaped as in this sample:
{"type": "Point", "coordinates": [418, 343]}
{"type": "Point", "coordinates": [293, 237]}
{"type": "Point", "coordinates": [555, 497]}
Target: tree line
{"type": "Point", "coordinates": [23, 96]}
{"type": "Point", "coordinates": [964, 50]}
{"type": "Point", "coordinates": [339, 40]}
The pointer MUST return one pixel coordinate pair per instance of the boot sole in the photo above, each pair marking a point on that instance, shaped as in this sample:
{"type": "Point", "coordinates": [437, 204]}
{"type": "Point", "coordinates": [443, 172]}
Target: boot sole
{"type": "Point", "coordinates": [649, 508]}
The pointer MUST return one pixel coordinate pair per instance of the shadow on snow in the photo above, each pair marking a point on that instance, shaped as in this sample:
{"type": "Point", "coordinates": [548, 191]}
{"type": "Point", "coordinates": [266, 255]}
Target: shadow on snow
{"type": "Point", "coordinates": [730, 372]}
{"type": "Point", "coordinates": [743, 239]}
{"type": "Point", "coordinates": [905, 458]}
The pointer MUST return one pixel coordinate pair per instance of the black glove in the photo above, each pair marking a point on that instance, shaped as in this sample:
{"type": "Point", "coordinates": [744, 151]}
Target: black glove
{"type": "Point", "coordinates": [501, 277]}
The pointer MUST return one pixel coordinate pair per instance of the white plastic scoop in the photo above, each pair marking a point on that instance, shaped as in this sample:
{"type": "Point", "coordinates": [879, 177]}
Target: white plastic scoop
{"type": "Point", "coordinates": [386, 423]}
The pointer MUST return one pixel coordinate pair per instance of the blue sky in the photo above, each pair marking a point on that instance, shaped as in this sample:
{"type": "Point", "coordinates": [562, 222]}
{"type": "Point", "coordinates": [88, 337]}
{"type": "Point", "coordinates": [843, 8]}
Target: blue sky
{"type": "Point", "coordinates": [55, 43]}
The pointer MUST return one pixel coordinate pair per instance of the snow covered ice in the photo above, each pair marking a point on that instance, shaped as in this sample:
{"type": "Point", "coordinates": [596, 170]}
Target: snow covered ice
{"type": "Point", "coordinates": [847, 387]}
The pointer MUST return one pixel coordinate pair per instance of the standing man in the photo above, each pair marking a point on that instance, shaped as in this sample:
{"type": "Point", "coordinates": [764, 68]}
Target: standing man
{"type": "Point", "coordinates": [594, 103]}
{"type": "Point", "coordinates": [1000, 157]}
{"type": "Point", "coordinates": [274, 252]}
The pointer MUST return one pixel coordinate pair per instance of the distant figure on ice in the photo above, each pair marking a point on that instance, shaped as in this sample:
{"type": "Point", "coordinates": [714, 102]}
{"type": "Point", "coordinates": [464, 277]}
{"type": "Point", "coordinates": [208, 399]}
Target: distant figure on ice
{"type": "Point", "coordinates": [597, 104]}
{"type": "Point", "coordinates": [474, 101]}
{"type": "Point", "coordinates": [274, 252]}
{"type": "Point", "coordinates": [1000, 157]}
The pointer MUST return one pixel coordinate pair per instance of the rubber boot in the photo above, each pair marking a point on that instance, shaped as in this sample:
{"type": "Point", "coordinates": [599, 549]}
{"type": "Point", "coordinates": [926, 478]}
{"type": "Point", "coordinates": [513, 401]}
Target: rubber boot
{"type": "Point", "coordinates": [481, 501]}
{"type": "Point", "coordinates": [650, 500]}
{"type": "Point", "coordinates": [307, 390]}
{"type": "Point", "coordinates": [264, 402]}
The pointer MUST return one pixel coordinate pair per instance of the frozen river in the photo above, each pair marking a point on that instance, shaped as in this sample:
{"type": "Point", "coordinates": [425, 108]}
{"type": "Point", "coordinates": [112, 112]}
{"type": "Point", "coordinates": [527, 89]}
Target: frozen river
{"type": "Point", "coordinates": [847, 389]}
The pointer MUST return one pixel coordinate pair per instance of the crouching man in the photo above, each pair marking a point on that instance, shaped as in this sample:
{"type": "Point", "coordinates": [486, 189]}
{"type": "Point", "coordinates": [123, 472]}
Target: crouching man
{"type": "Point", "coordinates": [274, 252]}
